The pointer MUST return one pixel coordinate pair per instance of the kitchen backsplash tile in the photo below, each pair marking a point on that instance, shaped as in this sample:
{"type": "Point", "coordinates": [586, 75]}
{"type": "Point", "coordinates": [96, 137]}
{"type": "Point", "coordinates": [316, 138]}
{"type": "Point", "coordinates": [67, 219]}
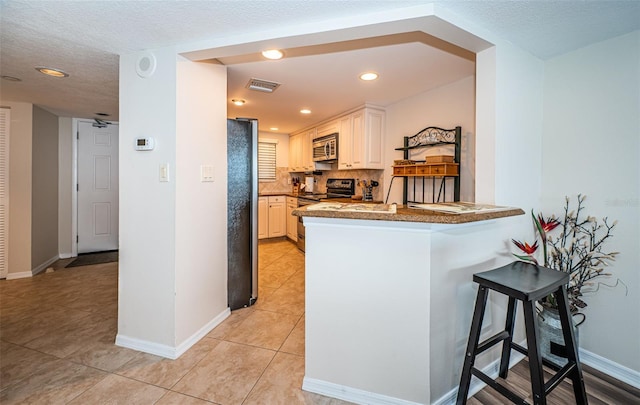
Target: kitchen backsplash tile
{"type": "Point", "coordinates": [376, 175]}
{"type": "Point", "coordinates": [280, 184]}
{"type": "Point", "coordinates": [283, 176]}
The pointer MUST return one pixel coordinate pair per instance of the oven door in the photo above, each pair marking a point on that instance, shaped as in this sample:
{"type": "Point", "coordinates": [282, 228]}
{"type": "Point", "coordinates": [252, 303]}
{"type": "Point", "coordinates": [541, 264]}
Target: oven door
{"type": "Point", "coordinates": [301, 237]}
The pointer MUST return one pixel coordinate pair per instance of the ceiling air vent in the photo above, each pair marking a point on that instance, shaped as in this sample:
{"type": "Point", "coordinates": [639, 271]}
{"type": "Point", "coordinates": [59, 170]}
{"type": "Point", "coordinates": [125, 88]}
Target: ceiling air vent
{"type": "Point", "coordinates": [262, 85]}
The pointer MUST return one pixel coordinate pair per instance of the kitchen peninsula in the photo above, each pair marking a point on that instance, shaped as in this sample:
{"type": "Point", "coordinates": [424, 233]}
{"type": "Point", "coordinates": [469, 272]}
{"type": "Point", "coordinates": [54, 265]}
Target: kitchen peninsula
{"type": "Point", "coordinates": [389, 298]}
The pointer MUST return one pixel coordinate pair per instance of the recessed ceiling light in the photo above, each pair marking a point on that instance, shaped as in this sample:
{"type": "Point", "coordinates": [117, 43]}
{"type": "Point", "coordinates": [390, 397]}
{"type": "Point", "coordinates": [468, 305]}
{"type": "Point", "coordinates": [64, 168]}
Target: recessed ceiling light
{"type": "Point", "coordinates": [274, 128]}
{"type": "Point", "coordinates": [238, 101]}
{"type": "Point", "coordinates": [273, 54]}
{"type": "Point", "coordinates": [369, 76]}
{"type": "Point", "coordinates": [305, 111]}
{"type": "Point", "coordinates": [11, 78]}
{"type": "Point", "coordinates": [51, 71]}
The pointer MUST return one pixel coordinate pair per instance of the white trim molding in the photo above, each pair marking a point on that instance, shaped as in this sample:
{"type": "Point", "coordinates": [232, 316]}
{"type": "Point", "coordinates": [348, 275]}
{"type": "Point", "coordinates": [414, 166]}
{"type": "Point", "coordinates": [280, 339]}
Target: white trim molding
{"type": "Point", "coordinates": [610, 368]}
{"type": "Point", "coordinates": [171, 352]}
{"type": "Point", "coordinates": [44, 265]}
{"type": "Point", "coordinates": [350, 394]}
{"type": "Point", "coordinates": [22, 274]}
{"type": "Point", "coordinates": [193, 339]}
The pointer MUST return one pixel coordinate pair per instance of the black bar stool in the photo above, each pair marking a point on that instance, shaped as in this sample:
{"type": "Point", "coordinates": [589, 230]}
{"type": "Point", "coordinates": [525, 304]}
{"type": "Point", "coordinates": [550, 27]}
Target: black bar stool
{"type": "Point", "coordinates": [528, 283]}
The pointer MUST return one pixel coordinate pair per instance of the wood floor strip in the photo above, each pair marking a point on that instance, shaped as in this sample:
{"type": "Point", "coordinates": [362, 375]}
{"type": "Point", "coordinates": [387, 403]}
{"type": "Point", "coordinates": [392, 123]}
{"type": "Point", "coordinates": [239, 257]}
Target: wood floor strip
{"type": "Point", "coordinates": [601, 389]}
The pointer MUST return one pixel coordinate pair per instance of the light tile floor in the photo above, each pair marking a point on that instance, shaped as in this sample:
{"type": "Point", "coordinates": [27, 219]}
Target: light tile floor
{"type": "Point", "coordinates": [57, 333]}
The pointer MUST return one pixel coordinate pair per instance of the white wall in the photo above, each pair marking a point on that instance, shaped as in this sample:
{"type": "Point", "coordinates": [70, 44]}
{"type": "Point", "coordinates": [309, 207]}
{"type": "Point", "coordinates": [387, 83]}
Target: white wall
{"type": "Point", "coordinates": [458, 253]}
{"type": "Point", "coordinates": [20, 180]}
{"type": "Point", "coordinates": [146, 290]}
{"type": "Point", "coordinates": [65, 186]}
{"type": "Point", "coordinates": [518, 127]}
{"type": "Point", "coordinates": [44, 189]}
{"type": "Point", "coordinates": [508, 144]}
{"type": "Point", "coordinates": [173, 252]}
{"type": "Point", "coordinates": [446, 107]}
{"type": "Point", "coordinates": [591, 146]}
{"type": "Point", "coordinates": [201, 208]}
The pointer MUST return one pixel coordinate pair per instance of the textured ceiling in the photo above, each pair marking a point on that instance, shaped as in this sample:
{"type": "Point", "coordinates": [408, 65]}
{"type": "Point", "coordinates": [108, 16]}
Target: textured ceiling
{"type": "Point", "coordinates": [85, 38]}
{"type": "Point", "coordinates": [548, 28]}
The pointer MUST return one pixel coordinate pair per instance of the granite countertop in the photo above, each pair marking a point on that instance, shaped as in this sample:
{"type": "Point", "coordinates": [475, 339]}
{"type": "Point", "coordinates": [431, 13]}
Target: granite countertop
{"type": "Point", "coordinates": [405, 214]}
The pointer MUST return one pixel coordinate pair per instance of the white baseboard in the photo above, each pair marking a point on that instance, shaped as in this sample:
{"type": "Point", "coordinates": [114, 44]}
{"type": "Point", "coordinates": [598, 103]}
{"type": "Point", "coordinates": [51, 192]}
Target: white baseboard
{"type": "Point", "coordinates": [170, 352]}
{"type": "Point", "coordinates": [145, 346]}
{"type": "Point", "coordinates": [22, 274]}
{"type": "Point", "coordinates": [39, 269]}
{"type": "Point", "coordinates": [44, 265]}
{"type": "Point", "coordinates": [66, 255]}
{"type": "Point", "coordinates": [350, 394]}
{"type": "Point", "coordinates": [193, 339]}
{"type": "Point", "coordinates": [610, 368]}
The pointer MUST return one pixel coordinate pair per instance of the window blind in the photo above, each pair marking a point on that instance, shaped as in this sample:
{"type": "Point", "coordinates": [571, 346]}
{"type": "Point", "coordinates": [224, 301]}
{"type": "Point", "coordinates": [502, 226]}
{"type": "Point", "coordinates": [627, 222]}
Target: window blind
{"type": "Point", "coordinates": [266, 161]}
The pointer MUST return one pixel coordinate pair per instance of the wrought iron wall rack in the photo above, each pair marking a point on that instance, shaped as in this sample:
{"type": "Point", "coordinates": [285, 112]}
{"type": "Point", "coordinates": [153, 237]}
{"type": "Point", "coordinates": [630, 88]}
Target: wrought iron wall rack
{"type": "Point", "coordinates": [413, 171]}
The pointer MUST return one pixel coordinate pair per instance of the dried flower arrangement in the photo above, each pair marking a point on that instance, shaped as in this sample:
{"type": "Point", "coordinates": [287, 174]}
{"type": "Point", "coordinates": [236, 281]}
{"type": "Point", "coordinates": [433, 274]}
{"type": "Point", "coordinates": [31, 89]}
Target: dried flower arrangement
{"type": "Point", "coordinates": [577, 249]}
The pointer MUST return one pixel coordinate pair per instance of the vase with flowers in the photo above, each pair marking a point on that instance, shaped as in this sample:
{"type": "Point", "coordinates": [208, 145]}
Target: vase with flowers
{"type": "Point", "coordinates": [573, 244]}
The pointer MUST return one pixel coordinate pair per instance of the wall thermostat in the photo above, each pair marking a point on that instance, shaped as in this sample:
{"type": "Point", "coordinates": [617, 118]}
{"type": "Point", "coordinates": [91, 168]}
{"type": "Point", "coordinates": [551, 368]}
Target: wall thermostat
{"type": "Point", "coordinates": [145, 143]}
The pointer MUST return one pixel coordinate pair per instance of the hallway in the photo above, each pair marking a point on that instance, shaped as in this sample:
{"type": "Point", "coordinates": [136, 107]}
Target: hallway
{"type": "Point", "coordinates": [57, 332]}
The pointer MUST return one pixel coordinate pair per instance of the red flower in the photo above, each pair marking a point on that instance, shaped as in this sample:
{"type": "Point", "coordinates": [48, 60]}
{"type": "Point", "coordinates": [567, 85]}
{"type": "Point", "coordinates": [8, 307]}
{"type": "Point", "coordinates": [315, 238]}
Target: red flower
{"type": "Point", "coordinates": [525, 247]}
{"type": "Point", "coordinates": [548, 226]}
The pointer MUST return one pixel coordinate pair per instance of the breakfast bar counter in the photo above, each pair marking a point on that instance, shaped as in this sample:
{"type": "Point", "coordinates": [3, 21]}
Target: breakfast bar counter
{"type": "Point", "coordinates": [389, 297]}
{"type": "Point", "coordinates": [407, 214]}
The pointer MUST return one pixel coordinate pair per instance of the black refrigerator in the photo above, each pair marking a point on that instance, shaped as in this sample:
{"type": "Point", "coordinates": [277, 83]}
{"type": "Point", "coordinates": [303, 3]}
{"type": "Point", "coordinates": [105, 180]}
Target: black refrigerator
{"type": "Point", "coordinates": [242, 212]}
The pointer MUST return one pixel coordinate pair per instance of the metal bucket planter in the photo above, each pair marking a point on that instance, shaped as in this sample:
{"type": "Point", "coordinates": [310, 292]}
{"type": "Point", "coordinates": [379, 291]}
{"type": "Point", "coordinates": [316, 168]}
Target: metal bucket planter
{"type": "Point", "coordinates": [551, 340]}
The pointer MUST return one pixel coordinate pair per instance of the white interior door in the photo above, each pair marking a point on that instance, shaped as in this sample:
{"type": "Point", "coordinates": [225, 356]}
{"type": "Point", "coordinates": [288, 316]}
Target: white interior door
{"type": "Point", "coordinates": [5, 120]}
{"type": "Point", "coordinates": [97, 187]}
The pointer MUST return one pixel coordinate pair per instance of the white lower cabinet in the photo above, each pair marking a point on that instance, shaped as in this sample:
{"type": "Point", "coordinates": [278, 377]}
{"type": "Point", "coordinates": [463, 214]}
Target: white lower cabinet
{"type": "Point", "coordinates": [272, 219]}
{"type": "Point", "coordinates": [263, 217]}
{"type": "Point", "coordinates": [277, 217]}
{"type": "Point", "coordinates": [292, 220]}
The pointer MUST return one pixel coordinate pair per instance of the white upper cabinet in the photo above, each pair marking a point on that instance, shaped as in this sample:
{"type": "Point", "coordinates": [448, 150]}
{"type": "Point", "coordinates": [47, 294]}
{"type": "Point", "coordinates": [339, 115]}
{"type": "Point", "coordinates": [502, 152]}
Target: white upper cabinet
{"type": "Point", "coordinates": [295, 153]}
{"type": "Point", "coordinates": [360, 142]}
{"type": "Point", "coordinates": [300, 152]}
{"type": "Point", "coordinates": [361, 139]}
{"type": "Point", "coordinates": [327, 129]}
{"type": "Point", "coordinates": [345, 142]}
{"type": "Point", "coordinates": [307, 149]}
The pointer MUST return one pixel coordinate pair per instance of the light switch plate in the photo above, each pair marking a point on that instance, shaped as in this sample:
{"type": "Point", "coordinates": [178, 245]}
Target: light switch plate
{"type": "Point", "coordinates": [163, 174]}
{"type": "Point", "coordinates": [206, 173]}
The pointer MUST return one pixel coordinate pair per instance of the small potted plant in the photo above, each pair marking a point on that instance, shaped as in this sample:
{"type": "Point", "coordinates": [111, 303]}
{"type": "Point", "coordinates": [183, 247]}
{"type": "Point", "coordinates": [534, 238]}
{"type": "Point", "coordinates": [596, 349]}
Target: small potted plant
{"type": "Point", "coordinates": [573, 244]}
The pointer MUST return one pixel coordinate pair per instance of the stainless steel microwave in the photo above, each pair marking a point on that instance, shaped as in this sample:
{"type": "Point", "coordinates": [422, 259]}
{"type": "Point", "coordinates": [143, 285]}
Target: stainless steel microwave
{"type": "Point", "coordinates": [325, 149]}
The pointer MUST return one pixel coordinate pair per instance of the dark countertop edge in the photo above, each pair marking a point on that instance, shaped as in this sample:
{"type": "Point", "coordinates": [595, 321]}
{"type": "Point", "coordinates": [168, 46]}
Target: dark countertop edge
{"type": "Point", "coordinates": [340, 200]}
{"type": "Point", "coordinates": [404, 214]}
{"type": "Point", "coordinates": [276, 194]}
{"type": "Point", "coordinates": [283, 193]}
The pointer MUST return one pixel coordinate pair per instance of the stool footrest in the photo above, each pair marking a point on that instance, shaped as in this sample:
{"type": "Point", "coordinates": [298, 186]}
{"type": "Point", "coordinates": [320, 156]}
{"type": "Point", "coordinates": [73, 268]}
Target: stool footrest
{"type": "Point", "coordinates": [506, 392]}
{"type": "Point", "coordinates": [487, 344]}
{"type": "Point", "coordinates": [558, 377]}
{"type": "Point", "coordinates": [524, 351]}
{"type": "Point", "coordinates": [520, 349]}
